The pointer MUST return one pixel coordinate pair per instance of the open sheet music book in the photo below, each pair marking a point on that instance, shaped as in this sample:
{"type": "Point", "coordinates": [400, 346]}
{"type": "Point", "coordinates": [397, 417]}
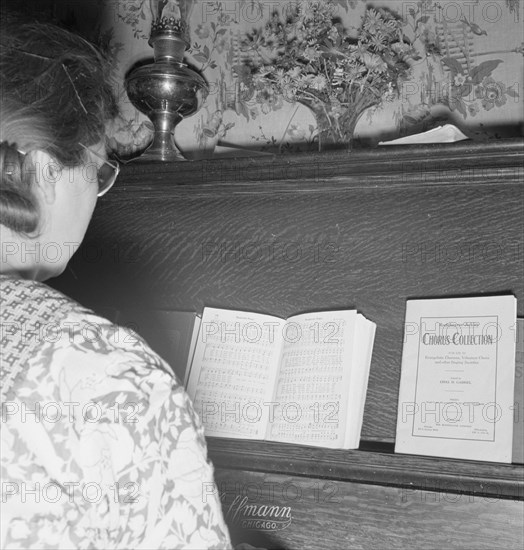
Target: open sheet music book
{"type": "Point", "coordinates": [302, 380]}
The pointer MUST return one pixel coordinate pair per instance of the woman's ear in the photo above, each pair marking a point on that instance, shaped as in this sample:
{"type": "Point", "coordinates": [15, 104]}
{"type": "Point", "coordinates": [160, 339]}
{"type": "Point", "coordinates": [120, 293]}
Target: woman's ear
{"type": "Point", "coordinates": [46, 172]}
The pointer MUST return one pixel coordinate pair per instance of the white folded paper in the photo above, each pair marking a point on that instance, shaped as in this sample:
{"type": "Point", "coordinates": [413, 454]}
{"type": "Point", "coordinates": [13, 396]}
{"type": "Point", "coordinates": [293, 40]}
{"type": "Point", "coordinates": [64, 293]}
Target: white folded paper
{"type": "Point", "coordinates": [442, 134]}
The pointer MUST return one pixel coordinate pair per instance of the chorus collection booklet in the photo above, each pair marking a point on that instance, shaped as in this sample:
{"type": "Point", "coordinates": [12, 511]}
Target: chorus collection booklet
{"type": "Point", "coordinates": [300, 380]}
{"type": "Point", "coordinates": [456, 396]}
{"type": "Point", "coordinates": [518, 408]}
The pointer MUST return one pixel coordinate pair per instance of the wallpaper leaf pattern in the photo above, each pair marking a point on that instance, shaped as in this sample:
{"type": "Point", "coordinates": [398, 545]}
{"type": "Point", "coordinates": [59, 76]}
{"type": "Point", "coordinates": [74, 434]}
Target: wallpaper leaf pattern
{"type": "Point", "coordinates": [467, 70]}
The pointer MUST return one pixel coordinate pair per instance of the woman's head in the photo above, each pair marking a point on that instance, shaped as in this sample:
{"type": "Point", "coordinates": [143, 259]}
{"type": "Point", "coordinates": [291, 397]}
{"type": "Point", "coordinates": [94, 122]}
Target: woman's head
{"type": "Point", "coordinates": [55, 103]}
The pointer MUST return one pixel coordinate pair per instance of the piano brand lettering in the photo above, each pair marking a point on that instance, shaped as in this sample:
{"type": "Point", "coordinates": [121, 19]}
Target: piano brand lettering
{"type": "Point", "coordinates": [258, 516]}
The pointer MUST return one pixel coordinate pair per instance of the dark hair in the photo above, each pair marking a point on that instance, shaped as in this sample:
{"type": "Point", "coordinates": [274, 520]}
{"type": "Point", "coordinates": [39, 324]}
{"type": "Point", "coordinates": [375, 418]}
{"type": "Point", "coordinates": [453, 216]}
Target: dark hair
{"type": "Point", "coordinates": [54, 94]}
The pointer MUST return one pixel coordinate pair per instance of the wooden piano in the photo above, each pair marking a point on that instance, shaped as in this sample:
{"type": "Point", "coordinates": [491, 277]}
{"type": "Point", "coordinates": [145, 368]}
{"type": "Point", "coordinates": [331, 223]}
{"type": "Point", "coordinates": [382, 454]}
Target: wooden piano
{"type": "Point", "coordinates": [286, 234]}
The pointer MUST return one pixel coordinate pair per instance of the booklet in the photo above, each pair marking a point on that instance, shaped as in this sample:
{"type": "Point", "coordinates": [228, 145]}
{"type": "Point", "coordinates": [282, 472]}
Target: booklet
{"type": "Point", "coordinates": [301, 380]}
{"type": "Point", "coordinates": [518, 408]}
{"type": "Point", "coordinates": [456, 395]}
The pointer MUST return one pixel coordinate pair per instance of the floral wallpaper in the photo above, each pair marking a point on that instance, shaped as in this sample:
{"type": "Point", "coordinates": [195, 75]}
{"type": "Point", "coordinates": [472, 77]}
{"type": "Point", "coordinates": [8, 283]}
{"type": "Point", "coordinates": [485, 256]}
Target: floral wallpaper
{"type": "Point", "coordinates": [465, 67]}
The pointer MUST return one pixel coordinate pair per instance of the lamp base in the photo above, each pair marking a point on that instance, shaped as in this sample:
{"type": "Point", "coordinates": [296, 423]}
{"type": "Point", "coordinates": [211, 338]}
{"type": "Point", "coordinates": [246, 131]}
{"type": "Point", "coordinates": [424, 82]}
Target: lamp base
{"type": "Point", "coordinates": [152, 155]}
{"type": "Point", "coordinates": [163, 146]}
{"type": "Point", "coordinates": [166, 92]}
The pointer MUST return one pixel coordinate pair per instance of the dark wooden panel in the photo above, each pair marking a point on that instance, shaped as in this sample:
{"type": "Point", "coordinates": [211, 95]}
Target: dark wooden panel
{"type": "Point", "coordinates": [436, 165]}
{"type": "Point", "coordinates": [367, 231]}
{"type": "Point", "coordinates": [300, 233]}
{"type": "Point", "coordinates": [372, 463]}
{"type": "Point", "coordinates": [309, 513]}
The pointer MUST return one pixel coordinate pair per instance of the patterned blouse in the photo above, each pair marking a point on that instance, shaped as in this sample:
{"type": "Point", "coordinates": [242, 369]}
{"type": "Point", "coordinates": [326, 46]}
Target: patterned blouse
{"type": "Point", "coordinates": [100, 446]}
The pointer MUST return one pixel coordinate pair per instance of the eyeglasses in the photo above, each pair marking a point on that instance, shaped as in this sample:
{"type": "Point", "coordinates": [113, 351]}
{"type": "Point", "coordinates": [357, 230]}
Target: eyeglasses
{"type": "Point", "coordinates": [106, 173]}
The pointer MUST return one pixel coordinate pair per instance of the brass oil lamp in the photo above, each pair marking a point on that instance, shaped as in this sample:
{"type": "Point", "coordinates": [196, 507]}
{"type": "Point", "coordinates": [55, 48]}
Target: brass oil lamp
{"type": "Point", "coordinates": [167, 90]}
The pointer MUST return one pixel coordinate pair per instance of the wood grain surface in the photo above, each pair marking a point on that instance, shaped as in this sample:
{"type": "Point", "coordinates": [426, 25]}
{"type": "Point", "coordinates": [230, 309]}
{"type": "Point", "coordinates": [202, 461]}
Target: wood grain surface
{"type": "Point", "coordinates": [373, 463]}
{"type": "Point", "coordinates": [376, 229]}
{"type": "Point", "coordinates": [290, 234]}
{"type": "Point", "coordinates": [336, 515]}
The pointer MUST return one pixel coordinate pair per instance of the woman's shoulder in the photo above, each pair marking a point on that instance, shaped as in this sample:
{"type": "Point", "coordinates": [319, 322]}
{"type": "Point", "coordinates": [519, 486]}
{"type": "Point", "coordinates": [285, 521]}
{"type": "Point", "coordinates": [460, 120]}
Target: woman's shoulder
{"type": "Point", "coordinates": [117, 350]}
{"type": "Point", "coordinates": [62, 320]}
{"type": "Point", "coordinates": [33, 301]}
{"type": "Point", "coordinates": [75, 345]}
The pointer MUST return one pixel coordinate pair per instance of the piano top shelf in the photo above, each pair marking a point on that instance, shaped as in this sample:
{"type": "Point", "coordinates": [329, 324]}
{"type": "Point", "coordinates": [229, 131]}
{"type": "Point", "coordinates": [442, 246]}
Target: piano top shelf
{"type": "Point", "coordinates": [374, 463]}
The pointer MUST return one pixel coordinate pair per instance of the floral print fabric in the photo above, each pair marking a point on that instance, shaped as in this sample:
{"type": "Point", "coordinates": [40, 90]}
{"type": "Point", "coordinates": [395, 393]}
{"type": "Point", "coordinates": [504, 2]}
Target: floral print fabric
{"type": "Point", "coordinates": [100, 445]}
